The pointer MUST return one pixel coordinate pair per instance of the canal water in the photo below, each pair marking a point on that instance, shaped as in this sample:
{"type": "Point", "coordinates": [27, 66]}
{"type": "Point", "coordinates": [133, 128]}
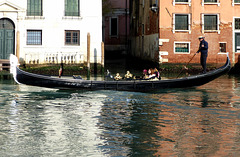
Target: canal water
{"type": "Point", "coordinates": [201, 121]}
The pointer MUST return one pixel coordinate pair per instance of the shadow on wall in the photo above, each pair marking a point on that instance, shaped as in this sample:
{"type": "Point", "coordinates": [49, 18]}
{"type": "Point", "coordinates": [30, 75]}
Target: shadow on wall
{"type": "Point", "coordinates": [236, 68]}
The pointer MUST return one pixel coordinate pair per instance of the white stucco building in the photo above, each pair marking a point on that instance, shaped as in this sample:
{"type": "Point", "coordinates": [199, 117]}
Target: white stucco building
{"type": "Point", "coordinates": [47, 31]}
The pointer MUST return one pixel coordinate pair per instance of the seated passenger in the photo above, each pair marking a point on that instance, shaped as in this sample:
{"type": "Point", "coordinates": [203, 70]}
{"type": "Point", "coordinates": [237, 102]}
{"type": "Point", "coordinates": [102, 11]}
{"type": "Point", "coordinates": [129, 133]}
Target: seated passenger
{"type": "Point", "coordinates": [108, 74]}
{"type": "Point", "coordinates": [117, 77]}
{"type": "Point", "coordinates": [128, 75]}
{"type": "Point", "coordinates": [145, 74]}
{"type": "Point", "coordinates": [157, 73]}
{"type": "Point", "coordinates": [151, 74]}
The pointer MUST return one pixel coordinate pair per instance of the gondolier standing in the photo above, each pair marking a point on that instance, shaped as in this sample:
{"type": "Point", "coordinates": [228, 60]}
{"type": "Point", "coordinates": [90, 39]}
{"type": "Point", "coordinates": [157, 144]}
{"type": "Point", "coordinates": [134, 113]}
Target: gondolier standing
{"type": "Point", "coordinates": [203, 48]}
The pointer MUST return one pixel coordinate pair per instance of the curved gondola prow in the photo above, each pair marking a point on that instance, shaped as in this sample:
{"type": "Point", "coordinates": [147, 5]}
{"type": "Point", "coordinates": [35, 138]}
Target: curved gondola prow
{"type": "Point", "coordinates": [228, 63]}
{"type": "Point", "coordinates": [13, 67]}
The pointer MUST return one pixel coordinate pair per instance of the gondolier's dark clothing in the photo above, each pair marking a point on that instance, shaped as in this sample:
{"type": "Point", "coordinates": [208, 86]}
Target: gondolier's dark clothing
{"type": "Point", "coordinates": [203, 61]}
{"type": "Point", "coordinates": [203, 48]}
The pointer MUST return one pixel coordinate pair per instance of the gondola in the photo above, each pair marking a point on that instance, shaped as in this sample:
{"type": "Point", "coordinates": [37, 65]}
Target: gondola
{"type": "Point", "coordinates": [27, 78]}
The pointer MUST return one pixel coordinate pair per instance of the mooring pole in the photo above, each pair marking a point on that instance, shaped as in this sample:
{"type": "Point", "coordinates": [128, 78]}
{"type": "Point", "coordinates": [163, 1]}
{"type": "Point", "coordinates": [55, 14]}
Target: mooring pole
{"type": "Point", "coordinates": [102, 59]}
{"type": "Point", "coordinates": [88, 55]}
{"type": "Point", "coordinates": [18, 45]}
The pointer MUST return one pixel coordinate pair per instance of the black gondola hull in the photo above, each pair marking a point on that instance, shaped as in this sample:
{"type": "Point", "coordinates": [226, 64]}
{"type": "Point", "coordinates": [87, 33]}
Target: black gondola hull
{"type": "Point", "coordinates": [132, 85]}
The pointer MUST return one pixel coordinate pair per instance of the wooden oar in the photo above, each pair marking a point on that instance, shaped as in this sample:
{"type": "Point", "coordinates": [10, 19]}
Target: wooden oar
{"type": "Point", "coordinates": [187, 64]}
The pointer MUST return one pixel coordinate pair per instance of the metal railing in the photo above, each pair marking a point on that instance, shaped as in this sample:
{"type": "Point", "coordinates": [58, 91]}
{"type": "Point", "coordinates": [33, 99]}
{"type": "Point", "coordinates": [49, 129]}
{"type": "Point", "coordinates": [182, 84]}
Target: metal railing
{"type": "Point", "coordinates": [4, 65]}
{"type": "Point", "coordinates": [54, 58]}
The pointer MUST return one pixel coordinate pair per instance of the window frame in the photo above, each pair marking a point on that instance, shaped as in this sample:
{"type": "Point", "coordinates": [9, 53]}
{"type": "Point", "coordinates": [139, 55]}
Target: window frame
{"type": "Point", "coordinates": [35, 41]}
{"type": "Point", "coordinates": [210, 3]}
{"type": "Point", "coordinates": [218, 23]}
{"type": "Point", "coordinates": [234, 20]}
{"type": "Point", "coordinates": [189, 23]}
{"type": "Point", "coordinates": [220, 51]}
{"type": "Point", "coordinates": [32, 13]}
{"type": "Point", "coordinates": [72, 43]}
{"type": "Point", "coordinates": [182, 42]}
{"type": "Point", "coordinates": [182, 3]}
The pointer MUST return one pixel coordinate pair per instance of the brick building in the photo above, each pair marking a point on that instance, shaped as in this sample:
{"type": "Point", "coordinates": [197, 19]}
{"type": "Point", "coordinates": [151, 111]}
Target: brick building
{"type": "Point", "coordinates": [180, 22]}
{"type": "Point", "coordinates": [116, 27]}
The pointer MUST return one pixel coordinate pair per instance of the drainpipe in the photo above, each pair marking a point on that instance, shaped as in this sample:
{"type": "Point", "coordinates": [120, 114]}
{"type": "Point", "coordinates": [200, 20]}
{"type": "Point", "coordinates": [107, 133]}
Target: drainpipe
{"type": "Point", "coordinates": [159, 30]}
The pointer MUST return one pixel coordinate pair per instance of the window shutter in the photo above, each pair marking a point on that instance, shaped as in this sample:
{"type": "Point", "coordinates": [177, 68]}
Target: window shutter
{"type": "Point", "coordinates": [218, 22]}
{"type": "Point", "coordinates": [189, 23]}
{"type": "Point", "coordinates": [202, 15]}
{"type": "Point", "coordinates": [173, 23]}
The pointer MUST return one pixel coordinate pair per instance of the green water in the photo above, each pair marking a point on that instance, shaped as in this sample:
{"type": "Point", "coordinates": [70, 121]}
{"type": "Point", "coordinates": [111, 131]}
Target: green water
{"type": "Point", "coordinates": [202, 121]}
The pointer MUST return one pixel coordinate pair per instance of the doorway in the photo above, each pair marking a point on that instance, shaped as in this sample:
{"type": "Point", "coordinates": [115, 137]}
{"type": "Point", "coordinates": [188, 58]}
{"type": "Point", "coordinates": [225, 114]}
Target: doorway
{"type": "Point", "coordinates": [7, 38]}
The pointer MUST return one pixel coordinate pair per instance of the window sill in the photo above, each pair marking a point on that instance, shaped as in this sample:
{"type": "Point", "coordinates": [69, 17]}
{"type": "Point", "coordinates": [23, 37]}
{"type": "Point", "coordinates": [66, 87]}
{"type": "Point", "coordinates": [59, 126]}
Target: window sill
{"type": "Point", "coordinates": [211, 31]}
{"type": "Point", "coordinates": [235, 4]}
{"type": "Point", "coordinates": [33, 46]}
{"type": "Point", "coordinates": [34, 18]}
{"type": "Point", "coordinates": [210, 4]}
{"type": "Point", "coordinates": [71, 17]}
{"type": "Point", "coordinates": [113, 36]}
{"type": "Point", "coordinates": [182, 31]}
{"type": "Point", "coordinates": [180, 53]}
{"type": "Point", "coordinates": [68, 45]}
{"type": "Point", "coordinates": [181, 3]}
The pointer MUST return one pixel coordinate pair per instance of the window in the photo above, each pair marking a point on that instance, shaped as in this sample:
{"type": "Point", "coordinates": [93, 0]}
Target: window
{"type": "Point", "coordinates": [181, 22]}
{"type": "Point", "coordinates": [181, 47]}
{"type": "Point", "coordinates": [34, 37]}
{"type": "Point", "coordinates": [210, 2]}
{"type": "Point", "coordinates": [153, 3]}
{"type": "Point", "coordinates": [210, 23]}
{"type": "Point", "coordinates": [72, 8]}
{"type": "Point", "coordinates": [222, 46]}
{"type": "Point", "coordinates": [182, 2]}
{"type": "Point", "coordinates": [114, 27]}
{"type": "Point", "coordinates": [235, 2]}
{"type": "Point", "coordinates": [34, 8]}
{"type": "Point", "coordinates": [72, 37]}
{"type": "Point", "coordinates": [237, 23]}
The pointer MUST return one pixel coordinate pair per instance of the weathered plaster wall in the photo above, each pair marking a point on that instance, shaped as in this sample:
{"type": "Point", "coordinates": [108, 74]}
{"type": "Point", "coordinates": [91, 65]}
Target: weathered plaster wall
{"type": "Point", "coordinates": [226, 13]}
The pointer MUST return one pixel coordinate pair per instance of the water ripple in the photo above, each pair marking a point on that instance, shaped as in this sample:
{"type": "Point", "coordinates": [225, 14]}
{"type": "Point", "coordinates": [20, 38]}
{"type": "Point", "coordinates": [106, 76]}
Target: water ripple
{"type": "Point", "coordinates": [202, 121]}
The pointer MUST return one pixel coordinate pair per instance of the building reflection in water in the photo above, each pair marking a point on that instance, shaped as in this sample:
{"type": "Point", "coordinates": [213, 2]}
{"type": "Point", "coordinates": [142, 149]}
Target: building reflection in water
{"type": "Point", "coordinates": [199, 122]}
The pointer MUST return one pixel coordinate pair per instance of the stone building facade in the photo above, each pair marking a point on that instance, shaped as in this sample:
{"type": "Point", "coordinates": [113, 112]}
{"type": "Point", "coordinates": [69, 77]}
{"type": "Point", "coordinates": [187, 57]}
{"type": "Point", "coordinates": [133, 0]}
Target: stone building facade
{"type": "Point", "coordinates": [53, 31]}
{"type": "Point", "coordinates": [144, 30]}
